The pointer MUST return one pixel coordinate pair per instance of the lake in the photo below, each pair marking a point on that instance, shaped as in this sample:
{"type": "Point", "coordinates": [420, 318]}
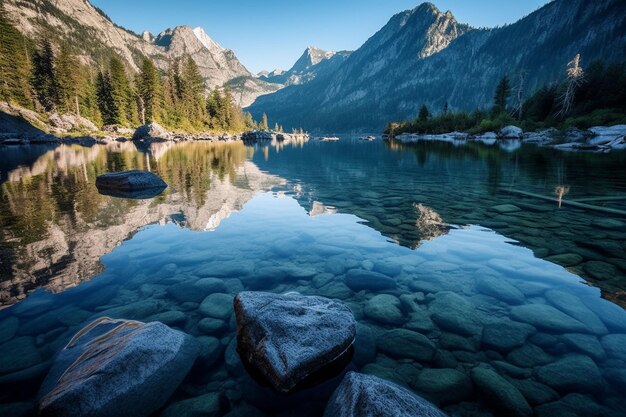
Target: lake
{"type": "Point", "coordinates": [520, 296]}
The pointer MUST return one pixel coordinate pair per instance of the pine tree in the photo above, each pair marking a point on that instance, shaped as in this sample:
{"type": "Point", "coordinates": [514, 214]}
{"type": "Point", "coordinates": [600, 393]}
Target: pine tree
{"type": "Point", "coordinates": [110, 112]}
{"type": "Point", "coordinates": [149, 91]}
{"type": "Point", "coordinates": [69, 80]}
{"type": "Point", "coordinates": [192, 92]}
{"type": "Point", "coordinates": [44, 78]}
{"type": "Point", "coordinates": [445, 108]}
{"type": "Point", "coordinates": [263, 125]}
{"type": "Point", "coordinates": [503, 90]}
{"type": "Point", "coordinates": [15, 70]}
{"type": "Point", "coordinates": [424, 113]}
{"type": "Point", "coordinates": [122, 106]}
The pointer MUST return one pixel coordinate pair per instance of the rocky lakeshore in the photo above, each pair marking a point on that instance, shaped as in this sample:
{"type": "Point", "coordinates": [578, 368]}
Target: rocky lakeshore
{"type": "Point", "coordinates": [600, 139]}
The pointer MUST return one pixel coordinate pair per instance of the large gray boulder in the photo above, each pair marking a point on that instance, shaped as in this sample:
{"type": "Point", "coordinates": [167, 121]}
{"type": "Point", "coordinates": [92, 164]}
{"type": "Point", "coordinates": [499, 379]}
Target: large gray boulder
{"type": "Point", "coordinates": [511, 132]}
{"type": "Point", "coordinates": [117, 368]}
{"type": "Point", "coordinates": [130, 184]}
{"type": "Point", "coordinates": [151, 131]}
{"type": "Point", "coordinates": [289, 337]}
{"type": "Point", "coordinates": [361, 395]}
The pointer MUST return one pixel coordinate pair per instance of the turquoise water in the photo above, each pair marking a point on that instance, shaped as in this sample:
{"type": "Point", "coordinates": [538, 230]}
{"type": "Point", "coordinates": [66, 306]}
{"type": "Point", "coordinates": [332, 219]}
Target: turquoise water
{"type": "Point", "coordinates": [478, 278]}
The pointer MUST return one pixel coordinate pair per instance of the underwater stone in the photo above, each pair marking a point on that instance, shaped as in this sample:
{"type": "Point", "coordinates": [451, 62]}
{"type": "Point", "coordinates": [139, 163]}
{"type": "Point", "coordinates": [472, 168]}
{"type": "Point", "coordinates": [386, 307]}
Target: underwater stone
{"type": "Point", "coordinates": [572, 405]}
{"type": "Point", "coordinates": [364, 345]}
{"type": "Point", "coordinates": [402, 343]}
{"type": "Point", "coordinates": [536, 393]}
{"type": "Point", "coordinates": [566, 259]}
{"type": "Point", "coordinates": [289, 337]}
{"type": "Point", "coordinates": [17, 354]}
{"type": "Point", "coordinates": [529, 356]}
{"type": "Point", "coordinates": [203, 405]}
{"type": "Point", "coordinates": [615, 345]}
{"type": "Point", "coordinates": [573, 373]}
{"type": "Point", "coordinates": [117, 368]}
{"type": "Point", "coordinates": [501, 393]}
{"type": "Point", "coordinates": [455, 313]}
{"type": "Point", "coordinates": [384, 308]}
{"type": "Point", "coordinates": [8, 328]}
{"type": "Point", "coordinates": [586, 344]}
{"type": "Point", "coordinates": [361, 279]}
{"type": "Point", "coordinates": [499, 288]}
{"type": "Point", "coordinates": [211, 325]}
{"type": "Point", "coordinates": [361, 395]}
{"type": "Point", "coordinates": [443, 385]}
{"type": "Point", "coordinates": [574, 307]}
{"type": "Point", "coordinates": [546, 317]}
{"type": "Point", "coordinates": [218, 305]}
{"type": "Point", "coordinates": [505, 208]}
{"type": "Point", "coordinates": [506, 335]}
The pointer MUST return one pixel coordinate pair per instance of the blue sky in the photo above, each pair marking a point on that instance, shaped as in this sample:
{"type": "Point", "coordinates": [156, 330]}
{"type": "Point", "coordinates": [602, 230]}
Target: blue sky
{"type": "Point", "coordinates": [273, 33]}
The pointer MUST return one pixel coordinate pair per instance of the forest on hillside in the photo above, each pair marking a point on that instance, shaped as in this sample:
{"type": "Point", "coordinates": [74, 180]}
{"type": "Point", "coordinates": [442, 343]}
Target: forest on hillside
{"type": "Point", "coordinates": [52, 78]}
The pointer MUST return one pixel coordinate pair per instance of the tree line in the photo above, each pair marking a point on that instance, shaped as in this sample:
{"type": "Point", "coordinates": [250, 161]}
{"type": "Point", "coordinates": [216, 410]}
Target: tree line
{"type": "Point", "coordinates": [588, 97]}
{"type": "Point", "coordinates": [51, 78]}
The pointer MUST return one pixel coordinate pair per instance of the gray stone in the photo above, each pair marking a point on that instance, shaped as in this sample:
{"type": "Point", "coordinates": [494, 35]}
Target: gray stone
{"type": "Point", "coordinates": [364, 345]}
{"type": "Point", "coordinates": [612, 315]}
{"type": "Point", "coordinates": [505, 208]}
{"type": "Point", "coordinates": [218, 305]}
{"type": "Point", "coordinates": [548, 318]}
{"type": "Point", "coordinates": [361, 395]}
{"type": "Point", "coordinates": [186, 292]}
{"type": "Point", "coordinates": [574, 373]}
{"type": "Point", "coordinates": [535, 392]}
{"type": "Point", "coordinates": [288, 337]}
{"type": "Point", "coordinates": [117, 368]}
{"type": "Point", "coordinates": [210, 349]}
{"type": "Point", "coordinates": [169, 318]}
{"type": "Point", "coordinates": [210, 285]}
{"type": "Point", "coordinates": [499, 288]}
{"type": "Point", "coordinates": [402, 343]}
{"type": "Point", "coordinates": [601, 270]}
{"type": "Point", "coordinates": [574, 307]}
{"type": "Point", "coordinates": [207, 405]}
{"type": "Point", "coordinates": [384, 308]}
{"type": "Point", "coordinates": [500, 393]}
{"type": "Point", "coordinates": [586, 344]}
{"type": "Point", "coordinates": [210, 325]}
{"type": "Point", "coordinates": [506, 335]}
{"type": "Point", "coordinates": [444, 386]}
{"type": "Point", "coordinates": [362, 279]}
{"type": "Point", "coordinates": [129, 181]}
{"type": "Point", "coordinates": [573, 405]}
{"type": "Point", "coordinates": [528, 356]}
{"type": "Point", "coordinates": [615, 345]}
{"type": "Point", "coordinates": [454, 313]}
{"type": "Point", "coordinates": [511, 132]}
{"type": "Point", "coordinates": [151, 131]}
{"type": "Point", "coordinates": [8, 328]}
{"type": "Point", "coordinates": [566, 259]}
{"type": "Point", "coordinates": [17, 354]}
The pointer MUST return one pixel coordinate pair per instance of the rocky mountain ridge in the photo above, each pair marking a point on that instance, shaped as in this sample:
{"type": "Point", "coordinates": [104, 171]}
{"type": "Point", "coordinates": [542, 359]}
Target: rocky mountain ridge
{"type": "Point", "coordinates": [424, 56]}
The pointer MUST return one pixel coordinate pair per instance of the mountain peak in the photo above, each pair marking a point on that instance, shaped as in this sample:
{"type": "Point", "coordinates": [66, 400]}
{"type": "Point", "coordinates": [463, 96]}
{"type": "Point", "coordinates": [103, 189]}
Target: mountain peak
{"type": "Point", "coordinates": [205, 40]}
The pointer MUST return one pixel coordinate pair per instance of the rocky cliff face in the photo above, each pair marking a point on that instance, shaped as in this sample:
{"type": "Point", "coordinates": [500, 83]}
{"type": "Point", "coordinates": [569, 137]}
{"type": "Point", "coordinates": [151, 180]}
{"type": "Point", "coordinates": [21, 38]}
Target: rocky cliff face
{"type": "Point", "coordinates": [97, 37]}
{"type": "Point", "coordinates": [313, 62]}
{"type": "Point", "coordinates": [425, 56]}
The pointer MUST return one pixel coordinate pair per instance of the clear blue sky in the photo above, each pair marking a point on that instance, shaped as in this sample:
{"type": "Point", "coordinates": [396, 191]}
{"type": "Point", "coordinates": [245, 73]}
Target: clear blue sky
{"type": "Point", "coordinates": [268, 34]}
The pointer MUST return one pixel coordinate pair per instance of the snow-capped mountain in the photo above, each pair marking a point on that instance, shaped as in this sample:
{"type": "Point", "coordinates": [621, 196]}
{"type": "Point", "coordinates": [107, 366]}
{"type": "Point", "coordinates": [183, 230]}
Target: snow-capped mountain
{"type": "Point", "coordinates": [424, 56]}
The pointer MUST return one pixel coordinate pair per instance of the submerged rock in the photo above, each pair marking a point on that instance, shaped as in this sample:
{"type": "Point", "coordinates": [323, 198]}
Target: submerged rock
{"type": "Point", "coordinates": [384, 308]}
{"type": "Point", "coordinates": [575, 373]}
{"type": "Point", "coordinates": [289, 337]}
{"type": "Point", "coordinates": [402, 343]}
{"type": "Point", "coordinates": [546, 317]}
{"type": "Point", "coordinates": [117, 368]}
{"type": "Point", "coordinates": [131, 184]}
{"type": "Point", "coordinates": [362, 279]}
{"type": "Point", "coordinates": [361, 395]}
{"type": "Point", "coordinates": [443, 385]}
{"type": "Point", "coordinates": [501, 393]}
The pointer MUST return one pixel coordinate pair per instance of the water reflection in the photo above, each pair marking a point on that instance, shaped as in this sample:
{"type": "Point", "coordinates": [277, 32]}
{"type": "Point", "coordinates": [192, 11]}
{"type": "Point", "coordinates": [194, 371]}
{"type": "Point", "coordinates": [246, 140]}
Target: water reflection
{"type": "Point", "coordinates": [56, 225]}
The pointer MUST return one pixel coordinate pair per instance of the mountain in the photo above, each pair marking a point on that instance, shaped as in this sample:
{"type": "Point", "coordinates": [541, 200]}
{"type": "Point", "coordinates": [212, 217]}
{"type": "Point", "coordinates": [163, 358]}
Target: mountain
{"type": "Point", "coordinates": [312, 62]}
{"type": "Point", "coordinates": [425, 56]}
{"type": "Point", "coordinates": [97, 38]}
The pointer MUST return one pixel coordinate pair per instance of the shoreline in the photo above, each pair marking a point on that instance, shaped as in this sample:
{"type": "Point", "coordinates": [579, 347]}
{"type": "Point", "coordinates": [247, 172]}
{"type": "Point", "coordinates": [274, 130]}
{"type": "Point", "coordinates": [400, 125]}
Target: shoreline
{"type": "Point", "coordinates": [598, 139]}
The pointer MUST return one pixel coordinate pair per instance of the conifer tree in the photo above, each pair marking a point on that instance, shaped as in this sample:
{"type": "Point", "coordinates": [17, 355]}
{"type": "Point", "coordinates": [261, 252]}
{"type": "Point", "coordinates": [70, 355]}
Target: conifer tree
{"type": "Point", "coordinates": [69, 80]}
{"type": "Point", "coordinates": [263, 125]}
{"type": "Point", "coordinates": [191, 92]}
{"type": "Point", "coordinates": [44, 78]}
{"type": "Point", "coordinates": [15, 71]}
{"type": "Point", "coordinates": [110, 112]}
{"type": "Point", "coordinates": [149, 91]}
{"type": "Point", "coordinates": [424, 113]}
{"type": "Point", "coordinates": [503, 90]}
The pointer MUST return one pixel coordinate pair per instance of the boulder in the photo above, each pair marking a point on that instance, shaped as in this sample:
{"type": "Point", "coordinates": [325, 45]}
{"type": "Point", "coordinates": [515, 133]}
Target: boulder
{"type": "Point", "coordinates": [500, 393]}
{"type": "Point", "coordinates": [255, 136]}
{"type": "Point", "coordinates": [548, 318]}
{"type": "Point", "coordinates": [455, 313]}
{"type": "Point", "coordinates": [203, 405]}
{"type": "Point", "coordinates": [384, 308]}
{"type": "Point", "coordinates": [217, 306]}
{"type": "Point", "coordinates": [615, 345]}
{"type": "Point", "coordinates": [443, 385]}
{"type": "Point", "coordinates": [506, 335]}
{"type": "Point", "coordinates": [361, 395]}
{"type": "Point", "coordinates": [289, 337]}
{"type": "Point", "coordinates": [362, 279]}
{"type": "Point", "coordinates": [511, 132]}
{"type": "Point", "coordinates": [151, 131]}
{"type": "Point", "coordinates": [574, 373]}
{"type": "Point", "coordinates": [402, 343]}
{"type": "Point", "coordinates": [130, 183]}
{"type": "Point", "coordinates": [117, 368]}
{"type": "Point", "coordinates": [283, 137]}
{"type": "Point", "coordinates": [499, 288]}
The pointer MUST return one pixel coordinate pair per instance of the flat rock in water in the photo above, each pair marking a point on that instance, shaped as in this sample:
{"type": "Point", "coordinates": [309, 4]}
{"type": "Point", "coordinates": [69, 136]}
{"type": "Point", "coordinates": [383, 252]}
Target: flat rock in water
{"type": "Point", "coordinates": [506, 335]}
{"type": "Point", "coordinates": [117, 368]}
{"type": "Point", "coordinates": [499, 288]}
{"type": "Point", "coordinates": [546, 317]}
{"type": "Point", "coordinates": [384, 308]}
{"type": "Point", "coordinates": [575, 373]}
{"type": "Point", "coordinates": [443, 385]}
{"type": "Point", "coordinates": [402, 343]}
{"type": "Point", "coordinates": [505, 208]}
{"type": "Point", "coordinates": [361, 395]}
{"type": "Point", "coordinates": [131, 184]}
{"type": "Point", "coordinates": [289, 337]}
{"type": "Point", "coordinates": [362, 279]}
{"type": "Point", "coordinates": [501, 393]}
